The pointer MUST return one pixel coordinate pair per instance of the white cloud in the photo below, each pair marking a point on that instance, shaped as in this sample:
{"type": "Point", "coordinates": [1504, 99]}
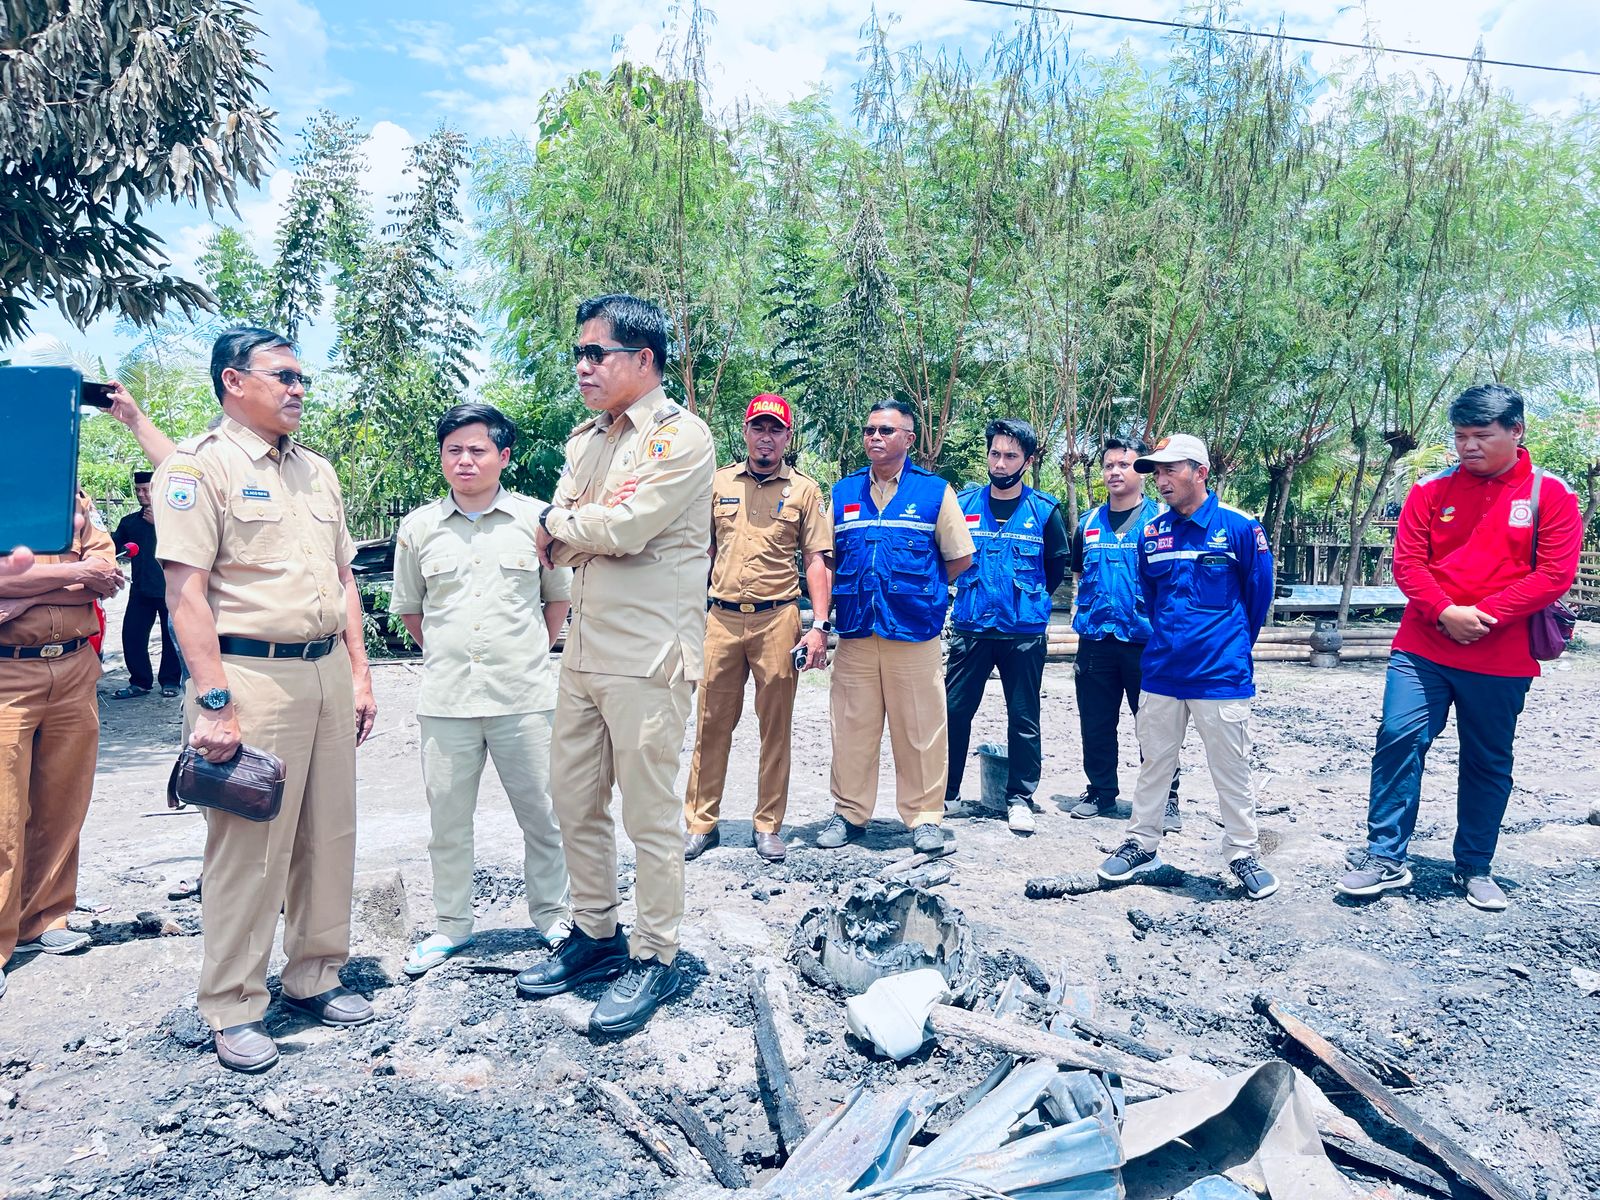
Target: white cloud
{"type": "Point", "coordinates": [294, 43]}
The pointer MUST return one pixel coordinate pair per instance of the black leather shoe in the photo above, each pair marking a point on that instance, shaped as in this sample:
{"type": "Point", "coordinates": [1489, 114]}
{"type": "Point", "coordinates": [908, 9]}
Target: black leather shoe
{"type": "Point", "coordinates": [247, 1048]}
{"type": "Point", "coordinates": [634, 998]}
{"type": "Point", "coordinates": [581, 959]}
{"type": "Point", "coordinates": [696, 844]}
{"type": "Point", "coordinates": [338, 1007]}
{"type": "Point", "coordinates": [770, 846]}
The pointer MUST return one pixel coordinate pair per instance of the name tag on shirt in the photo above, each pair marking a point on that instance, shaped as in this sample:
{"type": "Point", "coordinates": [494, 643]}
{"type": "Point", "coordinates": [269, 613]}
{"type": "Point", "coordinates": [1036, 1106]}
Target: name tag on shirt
{"type": "Point", "coordinates": [255, 493]}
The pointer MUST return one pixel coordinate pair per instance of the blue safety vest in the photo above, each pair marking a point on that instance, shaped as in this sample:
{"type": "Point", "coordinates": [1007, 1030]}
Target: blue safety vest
{"type": "Point", "coordinates": [1003, 591]}
{"type": "Point", "coordinates": [1109, 602]}
{"type": "Point", "coordinates": [888, 574]}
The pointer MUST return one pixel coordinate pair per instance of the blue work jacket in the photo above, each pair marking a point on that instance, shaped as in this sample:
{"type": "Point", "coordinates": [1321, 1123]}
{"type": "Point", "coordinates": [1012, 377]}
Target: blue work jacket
{"type": "Point", "coordinates": [1207, 583]}
{"type": "Point", "coordinates": [888, 576]}
{"type": "Point", "coordinates": [1004, 589]}
{"type": "Point", "coordinates": [1110, 602]}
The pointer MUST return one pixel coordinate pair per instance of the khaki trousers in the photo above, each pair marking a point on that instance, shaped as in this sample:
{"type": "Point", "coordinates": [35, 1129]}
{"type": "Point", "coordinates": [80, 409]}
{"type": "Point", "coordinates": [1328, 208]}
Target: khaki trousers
{"type": "Point", "coordinates": [625, 730]}
{"type": "Point", "coordinates": [49, 735]}
{"type": "Point", "coordinates": [303, 860]}
{"type": "Point", "coordinates": [874, 678]}
{"type": "Point", "coordinates": [453, 754]}
{"type": "Point", "coordinates": [1224, 727]}
{"type": "Point", "coordinates": [738, 645]}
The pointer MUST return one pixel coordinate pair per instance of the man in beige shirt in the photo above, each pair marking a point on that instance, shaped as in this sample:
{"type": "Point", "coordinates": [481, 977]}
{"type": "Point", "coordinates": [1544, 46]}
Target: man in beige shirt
{"type": "Point", "coordinates": [629, 516]}
{"type": "Point", "coordinates": [468, 585]}
{"type": "Point", "coordinates": [251, 530]}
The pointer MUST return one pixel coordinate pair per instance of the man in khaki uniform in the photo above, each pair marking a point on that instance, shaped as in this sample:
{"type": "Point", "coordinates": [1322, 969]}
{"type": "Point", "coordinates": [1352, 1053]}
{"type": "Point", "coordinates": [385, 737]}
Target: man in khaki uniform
{"type": "Point", "coordinates": [764, 516]}
{"type": "Point", "coordinates": [251, 531]}
{"type": "Point", "coordinates": [629, 516]}
{"type": "Point", "coordinates": [468, 585]}
{"type": "Point", "coordinates": [49, 730]}
{"type": "Point", "coordinates": [900, 538]}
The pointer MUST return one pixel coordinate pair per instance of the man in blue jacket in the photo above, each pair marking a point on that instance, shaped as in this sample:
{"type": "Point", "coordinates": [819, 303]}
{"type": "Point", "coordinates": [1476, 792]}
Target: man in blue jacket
{"type": "Point", "coordinates": [1002, 612]}
{"type": "Point", "coordinates": [1206, 574]}
{"type": "Point", "coordinates": [899, 539]}
{"type": "Point", "coordinates": [1112, 625]}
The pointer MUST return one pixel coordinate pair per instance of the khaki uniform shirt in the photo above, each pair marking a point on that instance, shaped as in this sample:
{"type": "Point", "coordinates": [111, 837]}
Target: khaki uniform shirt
{"type": "Point", "coordinates": [761, 528]}
{"type": "Point", "coordinates": [267, 522]}
{"type": "Point", "coordinates": [45, 624]}
{"type": "Point", "coordinates": [481, 594]}
{"type": "Point", "coordinates": [639, 568]}
{"type": "Point", "coordinates": [950, 530]}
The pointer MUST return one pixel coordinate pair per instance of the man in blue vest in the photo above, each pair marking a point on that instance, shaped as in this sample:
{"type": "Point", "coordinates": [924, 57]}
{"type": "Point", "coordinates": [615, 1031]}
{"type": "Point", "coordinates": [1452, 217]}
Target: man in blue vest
{"type": "Point", "coordinates": [1002, 612]}
{"type": "Point", "coordinates": [1112, 625]}
{"type": "Point", "coordinates": [899, 539]}
{"type": "Point", "coordinates": [1206, 574]}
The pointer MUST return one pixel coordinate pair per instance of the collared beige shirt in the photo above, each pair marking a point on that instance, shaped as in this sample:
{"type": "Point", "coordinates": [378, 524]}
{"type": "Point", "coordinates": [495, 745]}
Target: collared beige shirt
{"type": "Point", "coordinates": [481, 594]}
{"type": "Point", "coordinates": [46, 624]}
{"type": "Point", "coordinates": [267, 522]}
{"type": "Point", "coordinates": [639, 567]}
{"type": "Point", "coordinates": [950, 530]}
{"type": "Point", "coordinates": [761, 528]}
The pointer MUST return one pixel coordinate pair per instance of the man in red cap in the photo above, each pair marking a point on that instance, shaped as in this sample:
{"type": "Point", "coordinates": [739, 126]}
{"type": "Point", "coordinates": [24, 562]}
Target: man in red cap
{"type": "Point", "coordinates": [768, 523]}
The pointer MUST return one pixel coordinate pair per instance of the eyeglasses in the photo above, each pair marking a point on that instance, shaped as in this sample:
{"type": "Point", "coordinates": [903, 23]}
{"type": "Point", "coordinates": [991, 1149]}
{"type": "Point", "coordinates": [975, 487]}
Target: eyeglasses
{"type": "Point", "coordinates": [597, 354]}
{"type": "Point", "coordinates": [284, 376]}
{"type": "Point", "coordinates": [882, 430]}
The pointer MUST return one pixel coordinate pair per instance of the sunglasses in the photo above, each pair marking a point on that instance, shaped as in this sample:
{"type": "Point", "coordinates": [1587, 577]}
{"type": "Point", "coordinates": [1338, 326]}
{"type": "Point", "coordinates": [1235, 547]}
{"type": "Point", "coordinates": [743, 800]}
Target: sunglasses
{"type": "Point", "coordinates": [882, 430]}
{"type": "Point", "coordinates": [597, 353]}
{"type": "Point", "coordinates": [285, 376]}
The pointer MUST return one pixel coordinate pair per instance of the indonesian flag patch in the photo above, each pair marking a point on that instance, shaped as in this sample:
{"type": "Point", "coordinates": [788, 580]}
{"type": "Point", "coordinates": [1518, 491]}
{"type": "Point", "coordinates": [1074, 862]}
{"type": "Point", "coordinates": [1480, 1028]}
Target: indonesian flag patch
{"type": "Point", "coordinates": [1092, 534]}
{"type": "Point", "coordinates": [974, 518]}
{"type": "Point", "coordinates": [852, 512]}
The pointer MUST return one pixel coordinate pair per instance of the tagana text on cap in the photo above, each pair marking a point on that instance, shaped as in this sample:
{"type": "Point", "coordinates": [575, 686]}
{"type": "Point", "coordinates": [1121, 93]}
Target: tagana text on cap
{"type": "Point", "coordinates": [1180, 447]}
{"type": "Point", "coordinates": [769, 405]}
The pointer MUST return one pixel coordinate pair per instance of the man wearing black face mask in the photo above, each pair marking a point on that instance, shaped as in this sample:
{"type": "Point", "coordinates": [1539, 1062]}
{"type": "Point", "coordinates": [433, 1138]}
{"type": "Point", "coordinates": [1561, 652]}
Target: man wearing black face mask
{"type": "Point", "coordinates": [1002, 612]}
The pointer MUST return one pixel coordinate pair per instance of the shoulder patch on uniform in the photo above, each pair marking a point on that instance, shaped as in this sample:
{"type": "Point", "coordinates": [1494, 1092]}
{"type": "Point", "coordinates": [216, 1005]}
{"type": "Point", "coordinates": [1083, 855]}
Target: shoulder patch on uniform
{"type": "Point", "coordinates": [666, 431]}
{"type": "Point", "coordinates": [181, 491]}
{"type": "Point", "coordinates": [95, 518]}
{"type": "Point", "coordinates": [659, 447]}
{"type": "Point", "coordinates": [1261, 540]}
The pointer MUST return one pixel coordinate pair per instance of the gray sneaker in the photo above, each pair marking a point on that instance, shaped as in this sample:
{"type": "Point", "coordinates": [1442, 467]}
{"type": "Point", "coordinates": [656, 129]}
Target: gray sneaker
{"type": "Point", "coordinates": [1482, 891]}
{"type": "Point", "coordinates": [1259, 883]}
{"type": "Point", "coordinates": [54, 941]}
{"type": "Point", "coordinates": [1091, 805]}
{"type": "Point", "coordinates": [928, 838]}
{"type": "Point", "coordinates": [1172, 819]}
{"type": "Point", "coordinates": [1371, 875]}
{"type": "Point", "coordinates": [1128, 861]}
{"type": "Point", "coordinates": [837, 832]}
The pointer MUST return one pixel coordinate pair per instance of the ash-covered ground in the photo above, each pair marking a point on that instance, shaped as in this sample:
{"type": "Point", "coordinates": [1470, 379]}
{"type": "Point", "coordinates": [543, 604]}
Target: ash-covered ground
{"type": "Point", "coordinates": [108, 1086]}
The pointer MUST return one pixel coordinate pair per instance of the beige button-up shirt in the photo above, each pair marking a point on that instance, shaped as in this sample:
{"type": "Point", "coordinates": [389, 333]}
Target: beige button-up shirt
{"type": "Point", "coordinates": [639, 567]}
{"type": "Point", "coordinates": [762, 528]}
{"type": "Point", "coordinates": [481, 593]}
{"type": "Point", "coordinates": [267, 522]}
{"type": "Point", "coordinates": [44, 624]}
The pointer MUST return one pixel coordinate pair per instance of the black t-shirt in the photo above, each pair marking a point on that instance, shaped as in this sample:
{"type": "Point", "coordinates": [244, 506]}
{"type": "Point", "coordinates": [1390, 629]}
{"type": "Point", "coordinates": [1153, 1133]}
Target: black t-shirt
{"type": "Point", "coordinates": [148, 578]}
{"type": "Point", "coordinates": [1056, 550]}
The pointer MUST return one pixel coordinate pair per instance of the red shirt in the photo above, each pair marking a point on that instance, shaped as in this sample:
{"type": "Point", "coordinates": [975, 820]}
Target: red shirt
{"type": "Point", "coordinates": [1465, 539]}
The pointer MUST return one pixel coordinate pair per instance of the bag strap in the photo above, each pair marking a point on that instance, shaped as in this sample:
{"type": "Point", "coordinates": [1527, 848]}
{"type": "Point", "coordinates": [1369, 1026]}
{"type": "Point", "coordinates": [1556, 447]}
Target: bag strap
{"type": "Point", "coordinates": [1537, 473]}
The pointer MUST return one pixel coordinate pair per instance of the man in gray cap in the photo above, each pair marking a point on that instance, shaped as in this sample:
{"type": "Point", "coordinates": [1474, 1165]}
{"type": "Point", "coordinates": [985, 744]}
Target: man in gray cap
{"type": "Point", "coordinates": [1206, 574]}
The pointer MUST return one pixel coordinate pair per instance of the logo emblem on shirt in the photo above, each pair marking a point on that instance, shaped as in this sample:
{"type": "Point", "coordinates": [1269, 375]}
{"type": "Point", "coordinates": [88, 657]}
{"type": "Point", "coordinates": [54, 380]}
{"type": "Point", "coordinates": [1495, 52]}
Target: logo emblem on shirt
{"type": "Point", "coordinates": [1261, 540]}
{"type": "Point", "coordinates": [1449, 514]}
{"type": "Point", "coordinates": [255, 493]}
{"type": "Point", "coordinates": [1028, 524]}
{"type": "Point", "coordinates": [1219, 537]}
{"type": "Point", "coordinates": [1149, 547]}
{"type": "Point", "coordinates": [1164, 542]}
{"type": "Point", "coordinates": [852, 512]}
{"type": "Point", "coordinates": [659, 447]}
{"type": "Point", "coordinates": [180, 491]}
{"type": "Point", "coordinates": [911, 510]}
{"type": "Point", "coordinates": [1521, 514]}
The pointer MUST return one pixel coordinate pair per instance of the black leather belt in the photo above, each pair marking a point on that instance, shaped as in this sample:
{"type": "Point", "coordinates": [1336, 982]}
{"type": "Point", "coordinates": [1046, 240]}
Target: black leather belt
{"type": "Point", "coordinates": [250, 648]}
{"type": "Point", "coordinates": [748, 606]}
{"type": "Point", "coordinates": [53, 650]}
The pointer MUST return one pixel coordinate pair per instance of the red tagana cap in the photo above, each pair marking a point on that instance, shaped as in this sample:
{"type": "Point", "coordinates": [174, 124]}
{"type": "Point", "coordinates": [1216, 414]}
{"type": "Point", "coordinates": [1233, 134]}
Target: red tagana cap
{"type": "Point", "coordinates": [769, 404]}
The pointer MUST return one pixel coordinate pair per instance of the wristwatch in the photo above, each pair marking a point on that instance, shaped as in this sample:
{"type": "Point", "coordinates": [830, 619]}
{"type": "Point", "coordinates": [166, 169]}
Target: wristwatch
{"type": "Point", "coordinates": [215, 700]}
{"type": "Point", "coordinates": [544, 518]}
{"type": "Point", "coordinates": [823, 624]}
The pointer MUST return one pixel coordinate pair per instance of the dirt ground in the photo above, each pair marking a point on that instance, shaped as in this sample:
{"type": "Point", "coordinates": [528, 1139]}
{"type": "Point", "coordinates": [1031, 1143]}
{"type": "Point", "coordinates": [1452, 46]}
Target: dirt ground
{"type": "Point", "coordinates": [108, 1085]}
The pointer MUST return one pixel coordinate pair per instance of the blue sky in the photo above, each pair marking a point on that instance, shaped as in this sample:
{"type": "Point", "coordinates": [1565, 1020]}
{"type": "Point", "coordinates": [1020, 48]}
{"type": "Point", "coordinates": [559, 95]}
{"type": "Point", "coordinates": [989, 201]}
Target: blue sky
{"type": "Point", "coordinates": [404, 67]}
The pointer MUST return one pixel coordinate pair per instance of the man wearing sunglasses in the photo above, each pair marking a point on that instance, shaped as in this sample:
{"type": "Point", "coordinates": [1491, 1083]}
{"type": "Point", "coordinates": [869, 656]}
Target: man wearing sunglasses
{"type": "Point", "coordinates": [250, 527]}
{"type": "Point", "coordinates": [900, 539]}
{"type": "Point", "coordinates": [629, 516]}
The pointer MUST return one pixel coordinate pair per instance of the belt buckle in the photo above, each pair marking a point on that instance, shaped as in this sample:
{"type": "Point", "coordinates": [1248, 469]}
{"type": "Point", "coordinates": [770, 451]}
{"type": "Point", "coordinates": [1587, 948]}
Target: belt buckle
{"type": "Point", "coordinates": [305, 651]}
{"type": "Point", "coordinates": [746, 607]}
{"type": "Point", "coordinates": [54, 650]}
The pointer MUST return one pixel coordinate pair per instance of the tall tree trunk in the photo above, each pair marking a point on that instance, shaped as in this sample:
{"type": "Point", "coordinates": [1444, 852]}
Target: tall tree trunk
{"type": "Point", "coordinates": [1359, 527]}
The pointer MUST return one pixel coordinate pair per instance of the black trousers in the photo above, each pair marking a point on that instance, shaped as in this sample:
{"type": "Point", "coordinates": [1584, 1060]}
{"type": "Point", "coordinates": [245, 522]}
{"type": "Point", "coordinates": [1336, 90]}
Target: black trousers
{"type": "Point", "coordinates": [143, 612]}
{"type": "Point", "coordinates": [1103, 673]}
{"type": "Point", "coordinates": [1021, 663]}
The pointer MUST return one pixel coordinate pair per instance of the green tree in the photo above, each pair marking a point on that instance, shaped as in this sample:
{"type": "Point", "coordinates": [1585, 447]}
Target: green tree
{"type": "Point", "coordinates": [236, 277]}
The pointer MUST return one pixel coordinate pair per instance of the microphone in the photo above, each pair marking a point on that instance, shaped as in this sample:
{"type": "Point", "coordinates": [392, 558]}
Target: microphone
{"type": "Point", "coordinates": [131, 549]}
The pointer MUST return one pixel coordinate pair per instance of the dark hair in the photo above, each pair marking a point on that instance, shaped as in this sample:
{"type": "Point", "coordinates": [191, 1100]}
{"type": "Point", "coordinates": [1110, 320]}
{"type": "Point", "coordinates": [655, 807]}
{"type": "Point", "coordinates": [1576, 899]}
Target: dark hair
{"type": "Point", "coordinates": [142, 477]}
{"type": "Point", "coordinates": [1013, 427]}
{"type": "Point", "coordinates": [890, 404]}
{"type": "Point", "coordinates": [234, 347]}
{"type": "Point", "coordinates": [1138, 445]}
{"type": "Point", "coordinates": [1487, 404]}
{"type": "Point", "coordinates": [501, 431]}
{"type": "Point", "coordinates": [634, 322]}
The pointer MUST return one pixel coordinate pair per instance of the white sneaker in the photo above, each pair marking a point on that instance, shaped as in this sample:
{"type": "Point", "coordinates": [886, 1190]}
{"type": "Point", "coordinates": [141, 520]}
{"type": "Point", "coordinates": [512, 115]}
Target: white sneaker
{"type": "Point", "coordinates": [432, 951]}
{"type": "Point", "coordinates": [1019, 816]}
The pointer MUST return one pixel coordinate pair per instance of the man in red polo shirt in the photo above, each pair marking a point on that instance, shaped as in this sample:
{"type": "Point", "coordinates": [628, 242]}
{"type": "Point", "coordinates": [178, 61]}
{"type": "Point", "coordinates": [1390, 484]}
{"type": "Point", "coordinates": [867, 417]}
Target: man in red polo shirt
{"type": "Point", "coordinates": [1463, 557]}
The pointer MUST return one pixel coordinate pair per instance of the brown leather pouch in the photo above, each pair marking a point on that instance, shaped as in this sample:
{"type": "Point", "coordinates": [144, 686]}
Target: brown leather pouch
{"type": "Point", "coordinates": [248, 785]}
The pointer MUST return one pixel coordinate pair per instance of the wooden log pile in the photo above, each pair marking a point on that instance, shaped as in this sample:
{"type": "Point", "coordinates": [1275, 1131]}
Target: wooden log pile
{"type": "Point", "coordinates": [1277, 643]}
